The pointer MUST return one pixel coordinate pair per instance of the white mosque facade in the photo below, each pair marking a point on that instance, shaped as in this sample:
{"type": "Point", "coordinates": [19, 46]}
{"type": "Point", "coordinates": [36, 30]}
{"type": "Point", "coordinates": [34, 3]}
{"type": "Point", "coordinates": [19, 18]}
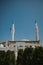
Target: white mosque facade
{"type": "Point", "coordinates": [22, 44]}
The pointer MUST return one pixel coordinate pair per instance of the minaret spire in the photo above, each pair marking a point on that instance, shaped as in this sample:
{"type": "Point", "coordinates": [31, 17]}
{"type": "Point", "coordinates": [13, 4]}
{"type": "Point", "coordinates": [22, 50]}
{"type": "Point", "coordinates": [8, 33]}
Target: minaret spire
{"type": "Point", "coordinates": [12, 31]}
{"type": "Point", "coordinates": [36, 31]}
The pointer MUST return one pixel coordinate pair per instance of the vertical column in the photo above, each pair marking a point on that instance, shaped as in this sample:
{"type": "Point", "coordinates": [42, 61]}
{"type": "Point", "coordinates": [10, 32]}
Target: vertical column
{"type": "Point", "coordinates": [36, 31]}
{"type": "Point", "coordinates": [12, 32]}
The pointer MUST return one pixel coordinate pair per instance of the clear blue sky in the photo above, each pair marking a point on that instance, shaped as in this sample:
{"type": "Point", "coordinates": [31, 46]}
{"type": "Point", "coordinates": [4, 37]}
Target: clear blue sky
{"type": "Point", "coordinates": [23, 13]}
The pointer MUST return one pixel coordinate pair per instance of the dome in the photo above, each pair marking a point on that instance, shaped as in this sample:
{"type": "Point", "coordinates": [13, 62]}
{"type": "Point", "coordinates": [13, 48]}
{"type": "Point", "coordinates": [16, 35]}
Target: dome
{"type": "Point", "coordinates": [1, 45]}
{"type": "Point", "coordinates": [24, 40]}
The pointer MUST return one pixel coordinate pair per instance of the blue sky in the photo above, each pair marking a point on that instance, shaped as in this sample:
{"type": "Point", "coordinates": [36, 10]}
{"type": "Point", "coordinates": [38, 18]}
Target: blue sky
{"type": "Point", "coordinates": [23, 13]}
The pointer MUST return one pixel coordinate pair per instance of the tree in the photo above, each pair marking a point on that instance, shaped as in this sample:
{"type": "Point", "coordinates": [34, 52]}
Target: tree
{"type": "Point", "coordinates": [27, 56]}
{"type": "Point", "coordinates": [20, 57]}
{"type": "Point", "coordinates": [2, 57]}
{"type": "Point", "coordinates": [10, 58]}
{"type": "Point", "coordinates": [7, 58]}
{"type": "Point", "coordinates": [38, 56]}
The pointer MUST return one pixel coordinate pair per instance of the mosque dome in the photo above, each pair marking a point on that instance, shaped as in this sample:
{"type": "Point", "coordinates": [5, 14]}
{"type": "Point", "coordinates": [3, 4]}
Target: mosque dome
{"type": "Point", "coordinates": [1, 45]}
{"type": "Point", "coordinates": [24, 40]}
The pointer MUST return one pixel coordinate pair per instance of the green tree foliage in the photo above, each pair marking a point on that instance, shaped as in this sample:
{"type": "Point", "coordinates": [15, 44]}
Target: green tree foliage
{"type": "Point", "coordinates": [20, 57]}
{"type": "Point", "coordinates": [7, 58]}
{"type": "Point", "coordinates": [38, 56]}
{"type": "Point", "coordinates": [2, 57]}
{"type": "Point", "coordinates": [30, 56]}
{"type": "Point", "coordinates": [27, 56]}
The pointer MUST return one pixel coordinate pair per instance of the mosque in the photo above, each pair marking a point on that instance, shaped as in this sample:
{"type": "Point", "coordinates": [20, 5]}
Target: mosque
{"type": "Point", "coordinates": [22, 44]}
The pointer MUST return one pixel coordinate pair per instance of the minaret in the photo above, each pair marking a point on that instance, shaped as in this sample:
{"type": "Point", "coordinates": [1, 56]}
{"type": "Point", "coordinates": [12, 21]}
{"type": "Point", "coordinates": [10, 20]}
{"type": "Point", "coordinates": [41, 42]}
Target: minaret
{"type": "Point", "coordinates": [12, 32]}
{"type": "Point", "coordinates": [36, 31]}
